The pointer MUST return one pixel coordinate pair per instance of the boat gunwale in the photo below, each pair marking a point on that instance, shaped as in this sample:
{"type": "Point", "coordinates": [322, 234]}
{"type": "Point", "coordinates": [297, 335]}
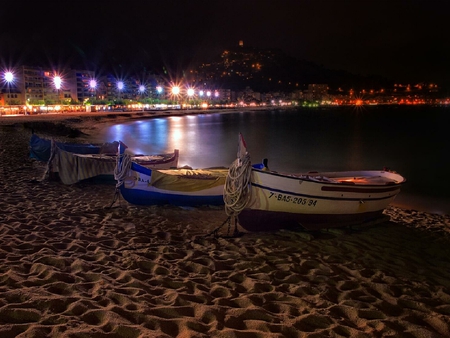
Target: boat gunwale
{"type": "Point", "coordinates": [304, 178]}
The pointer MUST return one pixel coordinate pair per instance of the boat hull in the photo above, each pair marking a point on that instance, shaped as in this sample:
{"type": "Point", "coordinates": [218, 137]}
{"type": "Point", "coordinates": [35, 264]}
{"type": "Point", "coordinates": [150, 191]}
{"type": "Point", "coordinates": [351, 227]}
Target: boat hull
{"type": "Point", "coordinates": [72, 162]}
{"type": "Point", "coordinates": [138, 189]}
{"type": "Point", "coordinates": [262, 220]}
{"type": "Point", "coordinates": [321, 200]}
{"type": "Point", "coordinates": [155, 197]}
{"type": "Point", "coordinates": [182, 187]}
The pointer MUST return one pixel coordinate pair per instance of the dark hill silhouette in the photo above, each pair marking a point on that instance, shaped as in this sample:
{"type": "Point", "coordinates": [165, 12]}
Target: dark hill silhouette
{"type": "Point", "coordinates": [272, 70]}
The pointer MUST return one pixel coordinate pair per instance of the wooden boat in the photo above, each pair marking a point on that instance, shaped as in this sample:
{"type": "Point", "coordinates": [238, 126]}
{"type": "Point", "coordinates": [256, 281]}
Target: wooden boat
{"type": "Point", "coordinates": [72, 163]}
{"type": "Point", "coordinates": [313, 200]}
{"type": "Point", "coordinates": [40, 148]}
{"type": "Point", "coordinates": [182, 186]}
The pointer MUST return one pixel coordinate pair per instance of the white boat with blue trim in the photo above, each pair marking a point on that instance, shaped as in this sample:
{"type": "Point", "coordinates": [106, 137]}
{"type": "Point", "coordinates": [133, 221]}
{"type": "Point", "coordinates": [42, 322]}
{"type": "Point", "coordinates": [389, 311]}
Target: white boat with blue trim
{"type": "Point", "coordinates": [141, 185]}
{"type": "Point", "coordinates": [315, 200]}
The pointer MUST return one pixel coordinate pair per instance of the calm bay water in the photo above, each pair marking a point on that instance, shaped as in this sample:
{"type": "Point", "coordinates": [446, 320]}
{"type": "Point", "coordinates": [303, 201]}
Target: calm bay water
{"type": "Point", "coordinates": [413, 141]}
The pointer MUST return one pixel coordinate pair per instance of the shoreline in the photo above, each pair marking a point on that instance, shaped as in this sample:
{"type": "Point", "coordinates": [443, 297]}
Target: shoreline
{"type": "Point", "coordinates": [72, 264]}
{"type": "Point", "coordinates": [137, 114]}
{"type": "Point", "coordinates": [81, 124]}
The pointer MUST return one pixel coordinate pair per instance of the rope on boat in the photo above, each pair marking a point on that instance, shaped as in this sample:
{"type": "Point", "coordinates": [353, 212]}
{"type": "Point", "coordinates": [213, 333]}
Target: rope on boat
{"type": "Point", "coordinates": [236, 192]}
{"type": "Point", "coordinates": [116, 197]}
{"type": "Point", "coordinates": [123, 164]}
{"type": "Point", "coordinates": [48, 170]}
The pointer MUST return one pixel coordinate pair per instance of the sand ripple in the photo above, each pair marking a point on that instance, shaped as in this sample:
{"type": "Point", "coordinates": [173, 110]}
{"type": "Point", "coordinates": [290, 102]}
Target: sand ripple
{"type": "Point", "coordinates": [70, 266]}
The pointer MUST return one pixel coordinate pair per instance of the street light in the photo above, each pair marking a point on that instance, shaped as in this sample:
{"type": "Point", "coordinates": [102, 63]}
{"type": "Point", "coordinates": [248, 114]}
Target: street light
{"type": "Point", "coordinates": [176, 92]}
{"type": "Point", "coordinates": [57, 81]}
{"type": "Point", "coordinates": [93, 86]}
{"type": "Point", "coordinates": [9, 77]}
{"type": "Point", "coordinates": [142, 90]}
{"type": "Point", "coordinates": [159, 91]}
{"type": "Point", "coordinates": [190, 93]}
{"type": "Point", "coordinates": [120, 87]}
{"type": "Point", "coordinates": [216, 95]}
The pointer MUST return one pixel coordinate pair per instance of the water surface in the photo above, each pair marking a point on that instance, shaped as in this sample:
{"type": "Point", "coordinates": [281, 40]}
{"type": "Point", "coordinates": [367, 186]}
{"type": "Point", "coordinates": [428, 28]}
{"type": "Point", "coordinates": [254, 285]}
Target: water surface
{"type": "Point", "coordinates": [413, 141]}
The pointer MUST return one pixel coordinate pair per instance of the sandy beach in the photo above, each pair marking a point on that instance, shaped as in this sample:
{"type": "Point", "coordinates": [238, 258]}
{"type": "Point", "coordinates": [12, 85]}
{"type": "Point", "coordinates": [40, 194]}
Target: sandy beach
{"type": "Point", "coordinates": [74, 265]}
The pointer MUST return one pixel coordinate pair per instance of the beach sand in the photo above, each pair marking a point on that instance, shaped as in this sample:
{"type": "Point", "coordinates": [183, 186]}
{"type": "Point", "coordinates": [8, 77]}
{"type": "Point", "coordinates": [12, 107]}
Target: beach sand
{"type": "Point", "coordinates": [73, 266]}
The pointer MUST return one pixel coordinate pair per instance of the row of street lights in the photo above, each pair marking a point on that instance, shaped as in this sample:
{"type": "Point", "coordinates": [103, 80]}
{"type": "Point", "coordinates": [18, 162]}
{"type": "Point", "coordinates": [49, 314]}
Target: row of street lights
{"type": "Point", "coordinates": [174, 90]}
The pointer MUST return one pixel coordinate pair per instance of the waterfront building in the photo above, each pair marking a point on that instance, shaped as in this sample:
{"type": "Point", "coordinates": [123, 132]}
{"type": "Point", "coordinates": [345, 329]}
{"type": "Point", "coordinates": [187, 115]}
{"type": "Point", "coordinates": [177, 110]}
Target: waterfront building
{"type": "Point", "coordinates": [44, 86]}
{"type": "Point", "coordinates": [316, 92]}
{"type": "Point", "coordinates": [79, 82]}
{"type": "Point", "coordinates": [40, 86]}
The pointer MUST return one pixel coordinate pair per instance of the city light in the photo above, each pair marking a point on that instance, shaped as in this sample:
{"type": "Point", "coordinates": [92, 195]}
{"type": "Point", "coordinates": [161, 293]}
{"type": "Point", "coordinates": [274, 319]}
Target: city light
{"type": "Point", "coordinates": [120, 86]}
{"type": "Point", "coordinates": [93, 86]}
{"type": "Point", "coordinates": [9, 77]}
{"type": "Point", "coordinates": [176, 90]}
{"type": "Point", "coordinates": [57, 81]}
{"type": "Point", "coordinates": [133, 91]}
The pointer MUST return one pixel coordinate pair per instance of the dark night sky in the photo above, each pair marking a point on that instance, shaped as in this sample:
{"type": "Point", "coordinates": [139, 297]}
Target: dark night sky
{"type": "Point", "coordinates": [399, 39]}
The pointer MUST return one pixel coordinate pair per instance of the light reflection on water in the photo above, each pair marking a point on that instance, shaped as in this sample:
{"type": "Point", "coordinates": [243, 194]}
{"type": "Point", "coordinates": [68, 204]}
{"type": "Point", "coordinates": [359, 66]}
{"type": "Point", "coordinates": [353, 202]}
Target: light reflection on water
{"type": "Point", "coordinates": [411, 141]}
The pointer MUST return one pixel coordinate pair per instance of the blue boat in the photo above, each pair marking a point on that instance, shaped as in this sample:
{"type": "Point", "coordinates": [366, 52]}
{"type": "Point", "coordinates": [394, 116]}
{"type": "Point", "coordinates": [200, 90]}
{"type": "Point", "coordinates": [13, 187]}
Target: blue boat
{"type": "Point", "coordinates": [181, 186]}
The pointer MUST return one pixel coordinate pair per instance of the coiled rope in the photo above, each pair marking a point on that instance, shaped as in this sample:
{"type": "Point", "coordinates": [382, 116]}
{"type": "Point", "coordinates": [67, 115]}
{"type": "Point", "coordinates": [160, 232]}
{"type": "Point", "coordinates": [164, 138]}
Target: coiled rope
{"type": "Point", "coordinates": [236, 192]}
{"type": "Point", "coordinates": [123, 164]}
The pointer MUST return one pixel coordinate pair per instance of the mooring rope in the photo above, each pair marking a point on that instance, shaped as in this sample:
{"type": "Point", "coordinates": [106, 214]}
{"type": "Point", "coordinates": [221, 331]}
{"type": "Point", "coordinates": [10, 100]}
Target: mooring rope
{"type": "Point", "coordinates": [49, 168]}
{"type": "Point", "coordinates": [236, 192]}
{"type": "Point", "coordinates": [123, 164]}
